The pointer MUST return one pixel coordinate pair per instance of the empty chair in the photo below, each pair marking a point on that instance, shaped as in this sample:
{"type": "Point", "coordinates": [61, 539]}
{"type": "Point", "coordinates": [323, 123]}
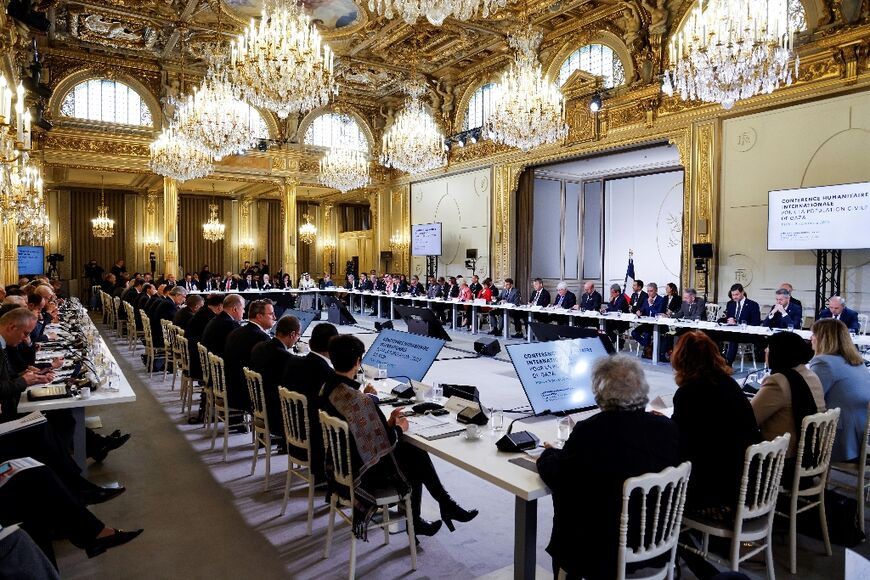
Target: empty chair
{"type": "Point", "coordinates": [336, 441]}
{"type": "Point", "coordinates": [811, 464]}
{"type": "Point", "coordinates": [753, 519]}
{"type": "Point", "coordinates": [658, 500]}
{"type": "Point", "coordinates": [219, 400]}
{"type": "Point", "coordinates": [713, 312]}
{"type": "Point", "coordinates": [205, 385]}
{"type": "Point", "coordinates": [297, 434]}
{"type": "Point", "coordinates": [174, 350]}
{"type": "Point", "coordinates": [167, 330]}
{"type": "Point", "coordinates": [132, 332]}
{"type": "Point", "coordinates": [186, 389]}
{"type": "Point", "coordinates": [859, 472]}
{"type": "Point", "coordinates": [151, 352]}
{"type": "Point", "coordinates": [259, 420]}
{"type": "Point", "coordinates": [120, 323]}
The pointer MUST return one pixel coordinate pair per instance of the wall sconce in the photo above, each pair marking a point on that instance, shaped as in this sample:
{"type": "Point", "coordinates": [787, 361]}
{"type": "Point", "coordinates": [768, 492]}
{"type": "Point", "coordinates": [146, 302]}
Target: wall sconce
{"type": "Point", "coordinates": [246, 245]}
{"type": "Point", "coordinates": [399, 243]}
{"type": "Point", "coordinates": [328, 245]}
{"type": "Point", "coordinates": [152, 243]}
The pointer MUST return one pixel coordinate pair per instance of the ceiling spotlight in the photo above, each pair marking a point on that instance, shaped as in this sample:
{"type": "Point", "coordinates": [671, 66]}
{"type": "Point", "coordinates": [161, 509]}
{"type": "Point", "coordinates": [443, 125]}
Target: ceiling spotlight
{"type": "Point", "coordinates": [473, 139]}
{"type": "Point", "coordinates": [595, 103]}
{"type": "Point", "coordinates": [460, 142]}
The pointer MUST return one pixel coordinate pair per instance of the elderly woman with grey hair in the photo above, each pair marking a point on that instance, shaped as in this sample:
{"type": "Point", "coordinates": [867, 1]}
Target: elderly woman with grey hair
{"type": "Point", "coordinates": [586, 476]}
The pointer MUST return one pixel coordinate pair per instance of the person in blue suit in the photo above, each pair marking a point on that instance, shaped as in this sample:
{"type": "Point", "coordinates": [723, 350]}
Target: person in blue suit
{"type": "Point", "coordinates": [837, 310]}
{"type": "Point", "coordinates": [784, 313]}
{"type": "Point", "coordinates": [651, 306]}
{"type": "Point", "coordinates": [740, 310]}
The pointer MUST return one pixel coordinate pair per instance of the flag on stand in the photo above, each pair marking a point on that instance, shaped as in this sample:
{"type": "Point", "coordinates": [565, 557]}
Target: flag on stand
{"type": "Point", "coordinates": [629, 273]}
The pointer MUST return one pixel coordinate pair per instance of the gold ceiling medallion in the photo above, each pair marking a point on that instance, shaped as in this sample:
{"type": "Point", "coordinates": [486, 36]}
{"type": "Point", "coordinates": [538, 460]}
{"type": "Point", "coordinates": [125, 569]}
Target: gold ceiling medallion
{"type": "Point", "coordinates": [281, 63]}
{"type": "Point", "coordinates": [730, 50]}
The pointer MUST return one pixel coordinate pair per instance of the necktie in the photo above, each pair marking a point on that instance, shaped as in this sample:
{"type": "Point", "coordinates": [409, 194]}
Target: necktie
{"type": "Point", "coordinates": [739, 309]}
{"type": "Point", "coordinates": [837, 317]}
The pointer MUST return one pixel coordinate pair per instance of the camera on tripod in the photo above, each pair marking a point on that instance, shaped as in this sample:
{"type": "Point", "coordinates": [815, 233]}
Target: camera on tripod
{"type": "Point", "coordinates": [54, 258]}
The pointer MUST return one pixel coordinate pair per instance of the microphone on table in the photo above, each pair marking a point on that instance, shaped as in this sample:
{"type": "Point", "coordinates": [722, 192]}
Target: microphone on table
{"type": "Point", "coordinates": [515, 442]}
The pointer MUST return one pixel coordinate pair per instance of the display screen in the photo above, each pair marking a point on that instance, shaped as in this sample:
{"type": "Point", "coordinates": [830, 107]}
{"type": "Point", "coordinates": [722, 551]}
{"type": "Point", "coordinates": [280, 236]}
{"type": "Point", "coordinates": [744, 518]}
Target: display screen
{"type": "Point", "coordinates": [426, 239]}
{"type": "Point", "coordinates": [31, 260]}
{"type": "Point", "coordinates": [557, 376]}
{"type": "Point", "coordinates": [830, 217]}
{"type": "Point", "coordinates": [406, 356]}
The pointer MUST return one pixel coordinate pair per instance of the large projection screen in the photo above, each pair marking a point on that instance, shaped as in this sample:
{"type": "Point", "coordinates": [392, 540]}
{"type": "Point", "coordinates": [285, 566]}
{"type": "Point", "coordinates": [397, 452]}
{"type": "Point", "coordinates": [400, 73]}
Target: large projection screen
{"type": "Point", "coordinates": [830, 217]}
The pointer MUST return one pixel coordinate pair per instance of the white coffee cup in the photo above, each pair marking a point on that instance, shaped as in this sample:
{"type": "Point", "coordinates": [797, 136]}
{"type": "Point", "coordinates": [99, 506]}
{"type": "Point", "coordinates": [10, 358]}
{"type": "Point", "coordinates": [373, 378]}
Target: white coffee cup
{"type": "Point", "coordinates": [421, 393]}
{"type": "Point", "coordinates": [472, 431]}
{"type": "Point", "coordinates": [85, 392]}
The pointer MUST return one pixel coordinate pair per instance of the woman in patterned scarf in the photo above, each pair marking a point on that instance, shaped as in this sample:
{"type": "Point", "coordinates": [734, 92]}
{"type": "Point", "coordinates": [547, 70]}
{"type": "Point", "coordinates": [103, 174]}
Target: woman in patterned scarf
{"type": "Point", "coordinates": [379, 455]}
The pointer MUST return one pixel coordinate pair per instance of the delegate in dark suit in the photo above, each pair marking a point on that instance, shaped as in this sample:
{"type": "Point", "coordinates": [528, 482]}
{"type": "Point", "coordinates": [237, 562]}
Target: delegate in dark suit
{"type": "Point", "coordinates": [505, 296]}
{"type": "Point", "coordinates": [793, 317]}
{"type": "Point", "coordinates": [716, 426]}
{"type": "Point", "coordinates": [239, 345]}
{"type": "Point", "coordinates": [744, 311]}
{"type": "Point", "coordinates": [214, 337]}
{"type": "Point", "coordinates": [306, 375]}
{"type": "Point", "coordinates": [642, 334]}
{"type": "Point", "coordinates": [193, 334]}
{"type": "Point", "coordinates": [697, 310]}
{"type": "Point", "coordinates": [182, 318]}
{"type": "Point", "coordinates": [591, 301]}
{"type": "Point", "coordinates": [165, 310]}
{"type": "Point", "coordinates": [849, 317]}
{"type": "Point", "coordinates": [269, 359]}
{"type": "Point", "coordinates": [567, 301]}
{"type": "Point", "coordinates": [11, 387]}
{"type": "Point", "coordinates": [587, 477]}
{"type": "Point", "coordinates": [616, 304]}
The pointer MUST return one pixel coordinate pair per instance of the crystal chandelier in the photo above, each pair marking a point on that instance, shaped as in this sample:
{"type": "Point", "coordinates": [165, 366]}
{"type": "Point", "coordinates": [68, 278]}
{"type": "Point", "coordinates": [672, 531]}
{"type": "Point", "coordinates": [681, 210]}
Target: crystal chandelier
{"type": "Point", "coordinates": [435, 11]}
{"type": "Point", "coordinates": [730, 50]}
{"type": "Point", "coordinates": [20, 182]}
{"type": "Point", "coordinates": [413, 143]}
{"type": "Point", "coordinates": [345, 166]}
{"type": "Point", "coordinates": [527, 108]}
{"type": "Point", "coordinates": [213, 229]}
{"type": "Point", "coordinates": [307, 231]}
{"type": "Point", "coordinates": [102, 226]}
{"type": "Point", "coordinates": [214, 120]}
{"type": "Point", "coordinates": [32, 220]}
{"type": "Point", "coordinates": [281, 64]}
{"type": "Point", "coordinates": [174, 156]}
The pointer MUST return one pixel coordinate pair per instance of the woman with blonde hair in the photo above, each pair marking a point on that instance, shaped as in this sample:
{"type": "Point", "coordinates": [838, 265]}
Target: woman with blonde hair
{"type": "Point", "coordinates": [846, 383]}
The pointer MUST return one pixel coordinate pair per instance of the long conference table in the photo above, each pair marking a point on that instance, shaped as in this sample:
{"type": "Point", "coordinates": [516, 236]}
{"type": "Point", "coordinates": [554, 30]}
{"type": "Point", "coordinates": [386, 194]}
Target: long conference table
{"type": "Point", "coordinates": [113, 387]}
{"type": "Point", "coordinates": [385, 303]}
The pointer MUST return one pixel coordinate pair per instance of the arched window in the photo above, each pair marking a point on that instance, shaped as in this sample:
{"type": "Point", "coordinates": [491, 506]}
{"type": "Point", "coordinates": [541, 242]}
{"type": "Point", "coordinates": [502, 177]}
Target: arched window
{"type": "Point", "coordinates": [257, 123]}
{"type": "Point", "coordinates": [325, 131]}
{"type": "Point", "coordinates": [596, 59]}
{"type": "Point", "coordinates": [479, 107]}
{"type": "Point", "coordinates": [106, 101]}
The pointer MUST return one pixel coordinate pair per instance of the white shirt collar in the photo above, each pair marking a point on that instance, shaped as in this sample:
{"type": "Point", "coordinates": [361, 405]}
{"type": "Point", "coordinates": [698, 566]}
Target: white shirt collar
{"type": "Point", "coordinates": [2, 342]}
{"type": "Point", "coordinates": [329, 362]}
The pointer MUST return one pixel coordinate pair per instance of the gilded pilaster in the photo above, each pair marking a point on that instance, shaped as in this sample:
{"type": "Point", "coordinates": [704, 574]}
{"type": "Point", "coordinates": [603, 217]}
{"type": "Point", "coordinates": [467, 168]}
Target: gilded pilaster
{"type": "Point", "coordinates": [288, 218]}
{"type": "Point", "coordinates": [705, 186]}
{"type": "Point", "coordinates": [9, 258]}
{"type": "Point", "coordinates": [150, 231]}
{"type": "Point", "coordinates": [246, 231]}
{"type": "Point", "coordinates": [505, 179]}
{"type": "Point", "coordinates": [374, 208]}
{"type": "Point", "coordinates": [170, 224]}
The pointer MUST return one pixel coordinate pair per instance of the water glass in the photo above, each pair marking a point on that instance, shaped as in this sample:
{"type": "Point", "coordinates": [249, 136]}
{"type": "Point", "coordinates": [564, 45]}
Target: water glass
{"type": "Point", "coordinates": [563, 431]}
{"type": "Point", "coordinates": [791, 327]}
{"type": "Point", "coordinates": [497, 419]}
{"type": "Point", "coordinates": [743, 326]}
{"type": "Point", "coordinates": [437, 392]}
{"type": "Point", "coordinates": [382, 371]}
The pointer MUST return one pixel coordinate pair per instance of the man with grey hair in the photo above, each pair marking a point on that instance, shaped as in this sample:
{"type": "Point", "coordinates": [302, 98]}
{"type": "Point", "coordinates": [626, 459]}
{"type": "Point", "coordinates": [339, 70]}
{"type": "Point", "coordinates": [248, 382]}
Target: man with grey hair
{"type": "Point", "coordinates": [15, 326]}
{"type": "Point", "coordinates": [564, 297]}
{"type": "Point", "coordinates": [837, 310]}
{"type": "Point", "coordinates": [586, 476]}
{"type": "Point", "coordinates": [784, 313]}
{"type": "Point", "coordinates": [192, 304]}
{"type": "Point", "coordinates": [651, 307]}
{"type": "Point", "coordinates": [692, 308]}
